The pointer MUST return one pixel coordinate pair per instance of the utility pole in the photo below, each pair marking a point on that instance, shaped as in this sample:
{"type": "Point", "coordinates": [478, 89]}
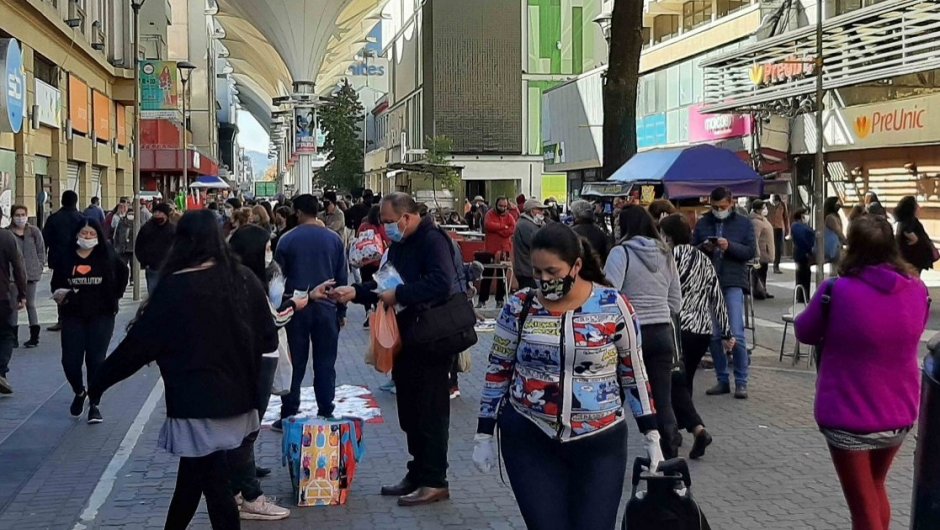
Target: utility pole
{"type": "Point", "coordinates": [135, 265]}
{"type": "Point", "coordinates": [819, 174]}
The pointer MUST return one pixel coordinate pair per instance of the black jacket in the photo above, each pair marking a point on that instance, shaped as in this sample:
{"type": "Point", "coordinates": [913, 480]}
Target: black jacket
{"type": "Point", "coordinates": [153, 243]}
{"type": "Point", "coordinates": [595, 236]}
{"type": "Point", "coordinates": [108, 277]}
{"type": "Point", "coordinates": [425, 261]}
{"type": "Point", "coordinates": [59, 234]}
{"type": "Point", "coordinates": [731, 264]}
{"type": "Point", "coordinates": [209, 369]}
{"type": "Point", "coordinates": [919, 254]}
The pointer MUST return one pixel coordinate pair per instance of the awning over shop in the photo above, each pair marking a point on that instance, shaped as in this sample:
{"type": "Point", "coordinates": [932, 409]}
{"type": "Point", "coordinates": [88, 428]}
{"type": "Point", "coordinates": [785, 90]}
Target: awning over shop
{"type": "Point", "coordinates": [692, 171]}
{"type": "Point", "coordinates": [209, 182]}
{"type": "Point", "coordinates": [882, 41]}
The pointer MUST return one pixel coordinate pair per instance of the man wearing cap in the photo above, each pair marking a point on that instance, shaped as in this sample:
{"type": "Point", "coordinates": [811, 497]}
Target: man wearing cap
{"type": "Point", "coordinates": [529, 222]}
{"type": "Point", "coordinates": [584, 226]}
{"type": "Point", "coordinates": [154, 242]}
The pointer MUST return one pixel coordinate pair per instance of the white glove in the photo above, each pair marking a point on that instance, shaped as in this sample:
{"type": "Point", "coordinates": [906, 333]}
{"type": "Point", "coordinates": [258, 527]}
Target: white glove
{"type": "Point", "coordinates": [484, 452]}
{"type": "Point", "coordinates": [653, 450]}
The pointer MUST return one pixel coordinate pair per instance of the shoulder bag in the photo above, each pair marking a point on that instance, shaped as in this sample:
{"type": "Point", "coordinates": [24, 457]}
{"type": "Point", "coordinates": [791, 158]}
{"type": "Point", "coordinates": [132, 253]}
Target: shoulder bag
{"type": "Point", "coordinates": [826, 301]}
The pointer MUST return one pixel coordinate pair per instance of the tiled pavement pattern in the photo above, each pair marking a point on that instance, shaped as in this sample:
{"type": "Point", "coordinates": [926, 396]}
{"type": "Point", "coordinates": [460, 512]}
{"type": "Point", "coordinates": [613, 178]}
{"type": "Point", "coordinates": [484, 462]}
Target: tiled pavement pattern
{"type": "Point", "coordinates": [767, 469]}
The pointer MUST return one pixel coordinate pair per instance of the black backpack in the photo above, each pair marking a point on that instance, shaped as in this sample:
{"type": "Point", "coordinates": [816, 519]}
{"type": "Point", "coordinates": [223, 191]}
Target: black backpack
{"type": "Point", "coordinates": [661, 506]}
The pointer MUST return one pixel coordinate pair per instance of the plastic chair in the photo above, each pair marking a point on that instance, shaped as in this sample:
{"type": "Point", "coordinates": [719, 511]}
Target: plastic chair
{"type": "Point", "coordinates": [796, 307]}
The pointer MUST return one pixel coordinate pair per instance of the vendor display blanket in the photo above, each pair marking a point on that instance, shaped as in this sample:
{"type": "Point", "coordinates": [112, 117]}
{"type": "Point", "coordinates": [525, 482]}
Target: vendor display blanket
{"type": "Point", "coordinates": [351, 402]}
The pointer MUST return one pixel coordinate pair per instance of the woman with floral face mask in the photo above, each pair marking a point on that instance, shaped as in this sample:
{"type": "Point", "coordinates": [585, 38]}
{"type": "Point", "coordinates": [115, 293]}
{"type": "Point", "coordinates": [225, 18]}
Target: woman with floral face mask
{"type": "Point", "coordinates": [88, 294]}
{"type": "Point", "coordinates": [563, 359]}
{"type": "Point", "coordinates": [29, 239]}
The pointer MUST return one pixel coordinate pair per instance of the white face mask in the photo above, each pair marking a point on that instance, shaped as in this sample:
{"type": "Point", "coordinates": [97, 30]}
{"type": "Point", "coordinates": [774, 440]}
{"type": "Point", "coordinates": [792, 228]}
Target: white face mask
{"type": "Point", "coordinates": [268, 258]}
{"type": "Point", "coordinates": [19, 220]}
{"type": "Point", "coordinates": [130, 216]}
{"type": "Point", "coordinates": [721, 215]}
{"type": "Point", "coordinates": [87, 244]}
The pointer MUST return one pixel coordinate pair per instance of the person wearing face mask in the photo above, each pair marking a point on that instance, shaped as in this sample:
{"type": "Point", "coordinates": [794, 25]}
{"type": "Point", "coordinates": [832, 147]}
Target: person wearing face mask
{"type": "Point", "coordinates": [122, 233]}
{"type": "Point", "coordinates": [500, 227]}
{"type": "Point", "coordinates": [728, 239]}
{"type": "Point", "coordinates": [153, 244]}
{"type": "Point", "coordinates": [779, 217]}
{"type": "Point", "coordinates": [804, 241]}
{"type": "Point", "coordinates": [332, 215]}
{"type": "Point", "coordinates": [424, 256]}
{"type": "Point", "coordinates": [58, 232]}
{"type": "Point", "coordinates": [309, 255]}
{"type": "Point", "coordinates": [31, 245]}
{"type": "Point", "coordinates": [88, 296]}
{"type": "Point", "coordinates": [529, 222]}
{"type": "Point", "coordinates": [764, 233]}
{"type": "Point", "coordinates": [586, 227]}
{"type": "Point", "coordinates": [564, 367]}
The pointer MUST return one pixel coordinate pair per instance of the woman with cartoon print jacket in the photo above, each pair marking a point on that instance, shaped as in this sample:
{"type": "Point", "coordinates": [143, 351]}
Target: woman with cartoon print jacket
{"type": "Point", "coordinates": [557, 389]}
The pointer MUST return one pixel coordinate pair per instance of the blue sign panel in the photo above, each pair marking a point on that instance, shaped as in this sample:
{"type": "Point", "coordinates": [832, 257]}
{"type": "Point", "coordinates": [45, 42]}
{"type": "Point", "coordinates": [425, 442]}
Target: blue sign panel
{"type": "Point", "coordinates": [651, 131]}
{"type": "Point", "coordinates": [13, 87]}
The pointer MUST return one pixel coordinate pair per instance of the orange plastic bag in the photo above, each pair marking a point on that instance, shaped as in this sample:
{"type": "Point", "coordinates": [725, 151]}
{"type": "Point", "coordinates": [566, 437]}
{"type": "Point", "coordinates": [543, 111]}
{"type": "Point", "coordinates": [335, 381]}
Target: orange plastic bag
{"type": "Point", "coordinates": [386, 341]}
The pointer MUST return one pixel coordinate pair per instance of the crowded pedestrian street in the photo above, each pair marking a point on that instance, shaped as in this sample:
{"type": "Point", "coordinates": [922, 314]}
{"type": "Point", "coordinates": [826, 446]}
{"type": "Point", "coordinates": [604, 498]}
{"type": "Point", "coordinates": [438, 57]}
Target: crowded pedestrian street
{"type": "Point", "coordinates": [768, 467]}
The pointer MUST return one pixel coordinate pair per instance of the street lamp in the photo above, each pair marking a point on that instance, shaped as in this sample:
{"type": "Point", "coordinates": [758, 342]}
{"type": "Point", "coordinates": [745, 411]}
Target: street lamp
{"type": "Point", "coordinates": [185, 68]}
{"type": "Point", "coordinates": [135, 265]}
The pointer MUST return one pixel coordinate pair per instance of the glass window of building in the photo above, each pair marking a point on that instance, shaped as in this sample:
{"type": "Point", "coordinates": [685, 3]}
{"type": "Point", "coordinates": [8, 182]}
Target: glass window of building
{"type": "Point", "coordinates": [45, 70]}
{"type": "Point", "coordinates": [845, 6]}
{"type": "Point", "coordinates": [698, 80]}
{"type": "Point", "coordinates": [696, 13]}
{"type": "Point", "coordinates": [684, 124]}
{"type": "Point", "coordinates": [672, 87]}
{"type": "Point", "coordinates": [673, 127]}
{"type": "Point", "coordinates": [665, 27]}
{"type": "Point", "coordinates": [726, 7]}
{"type": "Point", "coordinates": [661, 90]}
{"type": "Point", "coordinates": [686, 91]}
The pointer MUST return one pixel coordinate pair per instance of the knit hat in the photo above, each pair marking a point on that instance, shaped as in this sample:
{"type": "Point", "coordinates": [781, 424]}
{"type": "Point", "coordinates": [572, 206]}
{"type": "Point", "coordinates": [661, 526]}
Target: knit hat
{"type": "Point", "coordinates": [532, 204]}
{"type": "Point", "coordinates": [582, 209]}
{"type": "Point", "coordinates": [163, 208]}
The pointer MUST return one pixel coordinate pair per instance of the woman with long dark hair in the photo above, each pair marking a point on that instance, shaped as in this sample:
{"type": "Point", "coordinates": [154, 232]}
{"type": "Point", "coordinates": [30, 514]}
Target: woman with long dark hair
{"type": "Point", "coordinates": [914, 243]}
{"type": "Point", "coordinates": [220, 322]}
{"type": "Point", "coordinates": [564, 358]}
{"type": "Point", "coordinates": [643, 268]}
{"type": "Point", "coordinates": [93, 279]}
{"type": "Point", "coordinates": [867, 391]}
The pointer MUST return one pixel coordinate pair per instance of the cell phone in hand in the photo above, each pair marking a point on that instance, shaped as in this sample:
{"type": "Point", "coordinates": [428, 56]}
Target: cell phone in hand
{"type": "Point", "coordinates": [713, 240]}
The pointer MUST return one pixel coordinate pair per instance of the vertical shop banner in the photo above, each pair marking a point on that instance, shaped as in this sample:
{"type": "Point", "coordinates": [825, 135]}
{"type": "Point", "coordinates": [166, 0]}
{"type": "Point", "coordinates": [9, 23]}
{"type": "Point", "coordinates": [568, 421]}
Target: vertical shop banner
{"type": "Point", "coordinates": [78, 105]}
{"type": "Point", "coordinates": [101, 107]}
{"type": "Point", "coordinates": [49, 101]}
{"type": "Point", "coordinates": [305, 125]}
{"type": "Point", "coordinates": [159, 90]}
{"type": "Point", "coordinates": [714, 127]}
{"type": "Point", "coordinates": [651, 131]}
{"type": "Point", "coordinates": [13, 91]}
{"type": "Point", "coordinates": [121, 122]}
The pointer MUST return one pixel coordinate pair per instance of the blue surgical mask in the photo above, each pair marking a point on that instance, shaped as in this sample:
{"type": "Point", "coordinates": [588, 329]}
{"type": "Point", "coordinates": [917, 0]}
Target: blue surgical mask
{"type": "Point", "coordinates": [721, 215]}
{"type": "Point", "coordinates": [393, 231]}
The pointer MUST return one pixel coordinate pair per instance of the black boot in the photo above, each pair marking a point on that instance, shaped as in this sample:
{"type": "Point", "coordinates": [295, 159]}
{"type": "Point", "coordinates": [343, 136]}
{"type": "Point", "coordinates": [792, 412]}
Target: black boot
{"type": "Point", "coordinates": [33, 337]}
{"type": "Point", "coordinates": [16, 336]}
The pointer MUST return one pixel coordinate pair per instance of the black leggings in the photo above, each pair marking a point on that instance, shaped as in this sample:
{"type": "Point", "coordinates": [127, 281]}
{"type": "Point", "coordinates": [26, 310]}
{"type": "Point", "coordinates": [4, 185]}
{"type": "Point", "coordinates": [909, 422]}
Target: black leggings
{"type": "Point", "coordinates": [560, 486]}
{"type": "Point", "coordinates": [207, 475]}
{"type": "Point", "coordinates": [694, 346]}
{"type": "Point", "coordinates": [659, 353]}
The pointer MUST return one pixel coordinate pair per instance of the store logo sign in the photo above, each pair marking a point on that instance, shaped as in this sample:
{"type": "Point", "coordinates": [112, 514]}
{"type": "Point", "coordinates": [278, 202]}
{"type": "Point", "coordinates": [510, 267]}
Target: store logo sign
{"type": "Point", "coordinates": [776, 72]}
{"type": "Point", "coordinates": [13, 89]}
{"type": "Point", "coordinates": [896, 120]}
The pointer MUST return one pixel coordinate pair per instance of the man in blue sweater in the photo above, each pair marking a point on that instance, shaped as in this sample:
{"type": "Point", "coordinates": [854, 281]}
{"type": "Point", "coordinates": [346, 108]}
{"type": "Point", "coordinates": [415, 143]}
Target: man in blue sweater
{"type": "Point", "coordinates": [728, 238]}
{"type": "Point", "coordinates": [309, 255]}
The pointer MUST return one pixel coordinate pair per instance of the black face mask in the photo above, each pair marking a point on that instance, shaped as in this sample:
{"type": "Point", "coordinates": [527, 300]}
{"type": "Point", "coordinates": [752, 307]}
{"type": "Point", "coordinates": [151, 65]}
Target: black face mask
{"type": "Point", "coordinates": [556, 288]}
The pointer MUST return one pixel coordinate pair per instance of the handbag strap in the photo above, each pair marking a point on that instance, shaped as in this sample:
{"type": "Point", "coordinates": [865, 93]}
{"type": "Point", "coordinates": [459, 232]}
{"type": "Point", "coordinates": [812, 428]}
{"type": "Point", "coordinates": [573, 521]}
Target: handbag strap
{"type": "Point", "coordinates": [826, 301]}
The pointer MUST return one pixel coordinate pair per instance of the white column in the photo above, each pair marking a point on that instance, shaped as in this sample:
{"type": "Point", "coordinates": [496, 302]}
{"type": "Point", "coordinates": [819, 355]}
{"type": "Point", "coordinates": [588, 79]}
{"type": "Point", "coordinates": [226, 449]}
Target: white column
{"type": "Point", "coordinates": [304, 178]}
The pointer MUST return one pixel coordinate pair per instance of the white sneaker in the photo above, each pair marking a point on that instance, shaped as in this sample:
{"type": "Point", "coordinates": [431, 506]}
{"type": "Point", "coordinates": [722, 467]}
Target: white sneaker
{"type": "Point", "coordinates": [262, 510]}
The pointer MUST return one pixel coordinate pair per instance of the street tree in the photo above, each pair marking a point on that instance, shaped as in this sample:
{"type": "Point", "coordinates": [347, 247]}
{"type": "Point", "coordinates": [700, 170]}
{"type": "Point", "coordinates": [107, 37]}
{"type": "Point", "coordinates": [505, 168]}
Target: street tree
{"type": "Point", "coordinates": [439, 169]}
{"type": "Point", "coordinates": [340, 119]}
{"type": "Point", "coordinates": [620, 88]}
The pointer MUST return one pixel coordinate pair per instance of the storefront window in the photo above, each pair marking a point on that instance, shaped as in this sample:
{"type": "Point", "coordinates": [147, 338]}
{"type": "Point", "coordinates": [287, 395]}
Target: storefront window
{"type": "Point", "coordinates": [664, 27]}
{"type": "Point", "coordinates": [696, 13]}
{"type": "Point", "coordinates": [845, 6]}
{"type": "Point", "coordinates": [684, 124]}
{"type": "Point", "coordinates": [726, 7]}
{"type": "Point", "coordinates": [686, 94]}
{"type": "Point", "coordinates": [672, 87]}
{"type": "Point", "coordinates": [698, 80]}
{"type": "Point", "coordinates": [673, 126]}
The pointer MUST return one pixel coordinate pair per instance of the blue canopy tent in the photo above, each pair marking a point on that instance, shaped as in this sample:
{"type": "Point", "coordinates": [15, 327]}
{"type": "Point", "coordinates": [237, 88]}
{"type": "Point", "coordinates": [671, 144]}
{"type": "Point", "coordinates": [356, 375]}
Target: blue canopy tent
{"type": "Point", "coordinates": [691, 172]}
{"type": "Point", "coordinates": [205, 182]}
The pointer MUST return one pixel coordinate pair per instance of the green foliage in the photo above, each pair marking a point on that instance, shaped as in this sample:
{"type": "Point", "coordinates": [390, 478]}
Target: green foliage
{"type": "Point", "coordinates": [439, 149]}
{"type": "Point", "coordinates": [341, 120]}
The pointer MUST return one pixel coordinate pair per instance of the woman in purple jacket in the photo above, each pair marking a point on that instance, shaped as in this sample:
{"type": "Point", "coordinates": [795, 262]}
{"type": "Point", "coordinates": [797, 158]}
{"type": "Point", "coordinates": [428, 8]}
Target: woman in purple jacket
{"type": "Point", "coordinates": [867, 393]}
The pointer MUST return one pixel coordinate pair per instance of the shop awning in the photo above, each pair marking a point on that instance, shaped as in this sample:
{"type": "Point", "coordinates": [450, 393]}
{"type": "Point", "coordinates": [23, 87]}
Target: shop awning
{"type": "Point", "coordinates": [691, 172]}
{"type": "Point", "coordinates": [209, 182]}
{"type": "Point", "coordinates": [882, 41]}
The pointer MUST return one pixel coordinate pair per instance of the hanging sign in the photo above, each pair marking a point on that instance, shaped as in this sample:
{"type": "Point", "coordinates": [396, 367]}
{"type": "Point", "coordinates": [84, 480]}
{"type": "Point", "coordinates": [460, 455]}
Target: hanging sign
{"type": "Point", "coordinates": [13, 92]}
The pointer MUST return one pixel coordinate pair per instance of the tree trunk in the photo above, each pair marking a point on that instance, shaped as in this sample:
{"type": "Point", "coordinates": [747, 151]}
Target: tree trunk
{"type": "Point", "coordinates": [620, 88]}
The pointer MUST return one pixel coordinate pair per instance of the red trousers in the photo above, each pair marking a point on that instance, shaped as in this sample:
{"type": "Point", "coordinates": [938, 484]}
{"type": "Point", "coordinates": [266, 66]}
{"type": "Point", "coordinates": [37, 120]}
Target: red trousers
{"type": "Point", "coordinates": [863, 474]}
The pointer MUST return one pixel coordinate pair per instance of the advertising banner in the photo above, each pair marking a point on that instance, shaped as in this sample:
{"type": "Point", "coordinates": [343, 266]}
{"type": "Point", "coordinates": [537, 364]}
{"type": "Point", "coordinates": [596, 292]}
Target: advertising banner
{"type": "Point", "coordinates": [651, 131]}
{"type": "Point", "coordinates": [101, 107]}
{"type": "Point", "coordinates": [49, 101]}
{"type": "Point", "coordinates": [305, 130]}
{"type": "Point", "coordinates": [714, 127]}
{"type": "Point", "coordinates": [78, 105]}
{"type": "Point", "coordinates": [159, 90]}
{"type": "Point", "coordinates": [13, 91]}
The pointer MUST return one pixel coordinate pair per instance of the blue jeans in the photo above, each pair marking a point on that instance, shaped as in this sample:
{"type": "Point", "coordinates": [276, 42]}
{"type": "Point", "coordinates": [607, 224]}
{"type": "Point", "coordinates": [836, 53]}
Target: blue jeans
{"type": "Point", "coordinates": [318, 324]}
{"type": "Point", "coordinates": [734, 300]}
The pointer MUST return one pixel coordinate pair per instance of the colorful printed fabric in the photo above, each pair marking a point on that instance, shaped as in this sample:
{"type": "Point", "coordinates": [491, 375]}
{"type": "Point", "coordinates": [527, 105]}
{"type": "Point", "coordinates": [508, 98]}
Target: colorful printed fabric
{"type": "Point", "coordinates": [570, 373]}
{"type": "Point", "coordinates": [322, 457]}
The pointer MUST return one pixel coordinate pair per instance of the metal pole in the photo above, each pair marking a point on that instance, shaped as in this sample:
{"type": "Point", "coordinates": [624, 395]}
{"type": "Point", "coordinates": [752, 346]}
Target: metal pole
{"type": "Point", "coordinates": [185, 177]}
{"type": "Point", "coordinates": [135, 265]}
{"type": "Point", "coordinates": [819, 174]}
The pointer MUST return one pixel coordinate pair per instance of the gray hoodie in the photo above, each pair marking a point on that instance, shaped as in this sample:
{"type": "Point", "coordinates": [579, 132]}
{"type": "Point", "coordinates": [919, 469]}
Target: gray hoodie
{"type": "Point", "coordinates": [649, 278]}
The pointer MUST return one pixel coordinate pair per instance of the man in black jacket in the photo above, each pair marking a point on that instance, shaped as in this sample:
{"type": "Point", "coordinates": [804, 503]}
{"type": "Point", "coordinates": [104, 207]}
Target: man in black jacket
{"type": "Point", "coordinates": [728, 238]}
{"type": "Point", "coordinates": [424, 257]}
{"type": "Point", "coordinates": [59, 235]}
{"type": "Point", "coordinates": [154, 242]}
{"type": "Point", "coordinates": [12, 272]}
